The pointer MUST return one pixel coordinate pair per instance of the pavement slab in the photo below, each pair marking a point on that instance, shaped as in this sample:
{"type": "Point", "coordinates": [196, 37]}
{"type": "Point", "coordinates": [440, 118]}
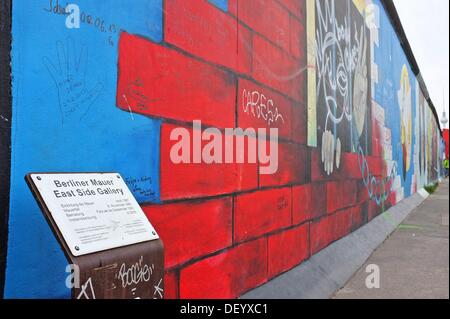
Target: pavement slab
{"type": "Point", "coordinates": [414, 261]}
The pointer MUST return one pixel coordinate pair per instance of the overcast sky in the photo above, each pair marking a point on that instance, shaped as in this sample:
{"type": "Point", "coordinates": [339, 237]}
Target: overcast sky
{"type": "Point", "coordinates": [426, 24]}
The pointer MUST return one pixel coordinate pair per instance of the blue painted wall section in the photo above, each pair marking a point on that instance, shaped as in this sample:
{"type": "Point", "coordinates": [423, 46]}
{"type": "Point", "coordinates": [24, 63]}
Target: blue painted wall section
{"type": "Point", "coordinates": [221, 4]}
{"type": "Point", "coordinates": [395, 78]}
{"type": "Point", "coordinates": [65, 119]}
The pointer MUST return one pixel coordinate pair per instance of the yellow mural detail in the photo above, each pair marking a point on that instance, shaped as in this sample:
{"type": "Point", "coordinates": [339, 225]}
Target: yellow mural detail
{"type": "Point", "coordinates": [311, 61]}
{"type": "Point", "coordinates": [361, 5]}
{"type": "Point", "coordinates": [405, 103]}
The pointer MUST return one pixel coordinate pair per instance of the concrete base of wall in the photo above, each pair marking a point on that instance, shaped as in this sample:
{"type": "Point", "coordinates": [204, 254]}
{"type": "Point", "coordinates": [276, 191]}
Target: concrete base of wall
{"type": "Point", "coordinates": [328, 271]}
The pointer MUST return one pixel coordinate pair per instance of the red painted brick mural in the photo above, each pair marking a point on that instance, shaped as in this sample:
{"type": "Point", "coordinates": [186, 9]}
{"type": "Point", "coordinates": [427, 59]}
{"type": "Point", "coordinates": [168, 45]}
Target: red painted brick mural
{"type": "Point", "coordinates": [227, 228]}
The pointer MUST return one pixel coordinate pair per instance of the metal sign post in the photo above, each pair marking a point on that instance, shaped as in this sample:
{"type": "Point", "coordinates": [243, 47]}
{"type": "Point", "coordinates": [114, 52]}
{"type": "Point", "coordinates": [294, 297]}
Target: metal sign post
{"type": "Point", "coordinates": [113, 249]}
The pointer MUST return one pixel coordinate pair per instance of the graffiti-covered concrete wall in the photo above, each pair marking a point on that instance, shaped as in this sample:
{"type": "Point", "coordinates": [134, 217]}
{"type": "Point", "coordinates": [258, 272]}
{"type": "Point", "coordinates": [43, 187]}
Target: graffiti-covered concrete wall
{"type": "Point", "coordinates": [355, 132]}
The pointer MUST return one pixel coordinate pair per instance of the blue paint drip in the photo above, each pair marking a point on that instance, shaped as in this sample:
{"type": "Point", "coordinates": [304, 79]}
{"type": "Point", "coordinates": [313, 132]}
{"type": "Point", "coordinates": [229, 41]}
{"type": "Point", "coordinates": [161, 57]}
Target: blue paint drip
{"type": "Point", "coordinates": [221, 4]}
{"type": "Point", "coordinates": [106, 138]}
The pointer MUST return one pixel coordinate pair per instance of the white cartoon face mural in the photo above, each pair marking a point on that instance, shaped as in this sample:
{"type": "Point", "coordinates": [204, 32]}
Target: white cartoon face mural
{"type": "Point", "coordinates": [342, 51]}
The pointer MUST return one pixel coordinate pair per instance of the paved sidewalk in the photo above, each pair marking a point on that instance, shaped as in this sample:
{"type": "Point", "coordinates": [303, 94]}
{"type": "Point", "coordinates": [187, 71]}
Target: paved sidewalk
{"type": "Point", "coordinates": [414, 260]}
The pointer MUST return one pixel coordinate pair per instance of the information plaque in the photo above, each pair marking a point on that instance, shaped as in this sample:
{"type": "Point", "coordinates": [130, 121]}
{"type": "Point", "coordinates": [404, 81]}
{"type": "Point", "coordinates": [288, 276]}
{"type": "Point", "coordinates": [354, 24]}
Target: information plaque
{"type": "Point", "coordinates": [93, 211]}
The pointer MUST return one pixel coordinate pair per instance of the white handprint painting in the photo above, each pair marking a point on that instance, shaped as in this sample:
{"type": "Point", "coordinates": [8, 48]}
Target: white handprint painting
{"type": "Point", "coordinates": [68, 71]}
